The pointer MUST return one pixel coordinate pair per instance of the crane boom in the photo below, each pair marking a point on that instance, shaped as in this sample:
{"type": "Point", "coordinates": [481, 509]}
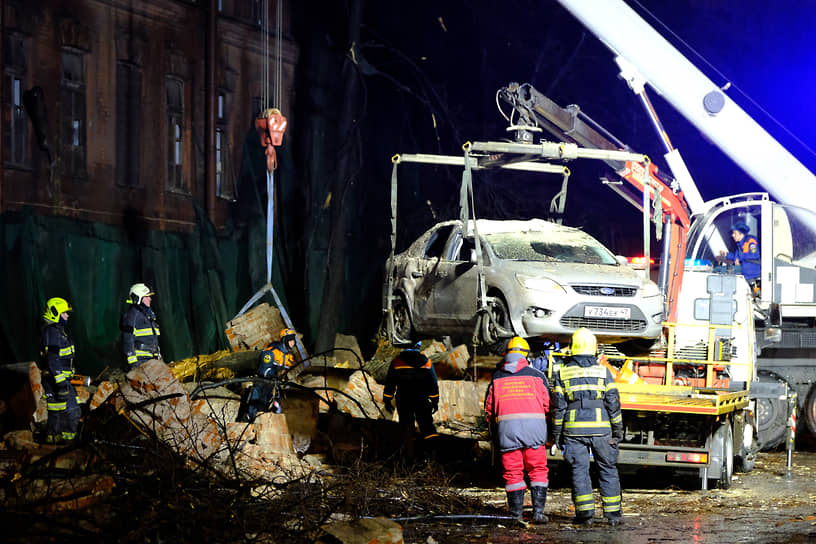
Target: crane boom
{"type": "Point", "coordinates": [698, 99]}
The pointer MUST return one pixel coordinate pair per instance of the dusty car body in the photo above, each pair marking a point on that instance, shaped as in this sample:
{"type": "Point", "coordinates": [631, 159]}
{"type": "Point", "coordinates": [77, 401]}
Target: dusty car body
{"type": "Point", "coordinates": [541, 279]}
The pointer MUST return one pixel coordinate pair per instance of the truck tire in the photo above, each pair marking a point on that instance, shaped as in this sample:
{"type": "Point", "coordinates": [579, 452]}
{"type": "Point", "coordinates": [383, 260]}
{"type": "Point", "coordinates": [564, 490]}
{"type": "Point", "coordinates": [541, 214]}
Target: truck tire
{"type": "Point", "coordinates": [809, 411]}
{"type": "Point", "coordinates": [746, 455]}
{"type": "Point", "coordinates": [772, 418]}
{"type": "Point", "coordinates": [727, 451]}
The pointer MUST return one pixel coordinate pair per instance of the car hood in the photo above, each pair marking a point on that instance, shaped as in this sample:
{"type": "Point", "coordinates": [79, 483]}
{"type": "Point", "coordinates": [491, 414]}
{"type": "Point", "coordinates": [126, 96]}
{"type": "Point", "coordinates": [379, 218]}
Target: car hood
{"type": "Point", "coordinates": [573, 273]}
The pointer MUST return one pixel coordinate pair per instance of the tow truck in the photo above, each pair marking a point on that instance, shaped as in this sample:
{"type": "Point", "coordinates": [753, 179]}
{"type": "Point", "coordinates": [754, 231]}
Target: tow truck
{"type": "Point", "coordinates": [783, 219]}
{"type": "Point", "coordinates": [700, 398]}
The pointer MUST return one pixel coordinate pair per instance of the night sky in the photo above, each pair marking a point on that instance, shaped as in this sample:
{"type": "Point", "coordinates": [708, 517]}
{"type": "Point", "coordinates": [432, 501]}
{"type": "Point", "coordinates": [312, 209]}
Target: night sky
{"type": "Point", "coordinates": [432, 70]}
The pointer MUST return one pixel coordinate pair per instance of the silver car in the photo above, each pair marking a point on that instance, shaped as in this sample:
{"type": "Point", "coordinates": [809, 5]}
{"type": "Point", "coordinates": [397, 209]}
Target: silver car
{"type": "Point", "coordinates": [542, 281]}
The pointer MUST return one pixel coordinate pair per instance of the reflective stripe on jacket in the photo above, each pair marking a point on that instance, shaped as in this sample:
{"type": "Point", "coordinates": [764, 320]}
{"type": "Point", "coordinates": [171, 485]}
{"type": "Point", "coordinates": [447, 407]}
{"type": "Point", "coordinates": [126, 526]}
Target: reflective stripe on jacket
{"type": "Point", "coordinates": [586, 398]}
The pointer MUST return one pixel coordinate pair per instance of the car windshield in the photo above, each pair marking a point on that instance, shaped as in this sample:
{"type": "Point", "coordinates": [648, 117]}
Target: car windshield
{"type": "Point", "coordinates": [550, 247]}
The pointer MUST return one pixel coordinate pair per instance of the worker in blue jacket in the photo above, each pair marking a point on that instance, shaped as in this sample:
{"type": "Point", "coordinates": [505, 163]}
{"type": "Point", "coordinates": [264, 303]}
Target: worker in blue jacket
{"type": "Point", "coordinates": [57, 368]}
{"type": "Point", "coordinates": [746, 257]}
{"type": "Point", "coordinates": [140, 329]}
{"type": "Point", "coordinates": [587, 421]}
{"type": "Point", "coordinates": [274, 360]}
{"type": "Point", "coordinates": [411, 382]}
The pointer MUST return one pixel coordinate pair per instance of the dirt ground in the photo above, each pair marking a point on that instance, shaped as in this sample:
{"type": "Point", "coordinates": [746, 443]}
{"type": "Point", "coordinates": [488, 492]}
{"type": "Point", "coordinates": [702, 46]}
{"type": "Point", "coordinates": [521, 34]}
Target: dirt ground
{"type": "Point", "coordinates": [766, 505]}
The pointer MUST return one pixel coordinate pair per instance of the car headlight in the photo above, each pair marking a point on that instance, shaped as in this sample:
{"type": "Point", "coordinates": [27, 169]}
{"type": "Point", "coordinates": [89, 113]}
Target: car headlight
{"type": "Point", "coordinates": [540, 284]}
{"type": "Point", "coordinates": [650, 289]}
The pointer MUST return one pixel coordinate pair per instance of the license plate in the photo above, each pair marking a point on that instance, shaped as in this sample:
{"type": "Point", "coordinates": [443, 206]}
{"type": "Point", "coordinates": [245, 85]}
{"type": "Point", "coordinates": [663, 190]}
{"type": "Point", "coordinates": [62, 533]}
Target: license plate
{"type": "Point", "coordinates": [610, 312]}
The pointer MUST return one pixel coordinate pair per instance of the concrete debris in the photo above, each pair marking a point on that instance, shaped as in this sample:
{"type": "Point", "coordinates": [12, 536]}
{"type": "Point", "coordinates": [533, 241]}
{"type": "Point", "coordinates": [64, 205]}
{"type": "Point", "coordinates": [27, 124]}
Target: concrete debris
{"type": "Point", "coordinates": [460, 402]}
{"type": "Point", "coordinates": [367, 393]}
{"type": "Point", "coordinates": [449, 364]}
{"type": "Point", "coordinates": [255, 329]}
{"type": "Point", "coordinates": [363, 531]}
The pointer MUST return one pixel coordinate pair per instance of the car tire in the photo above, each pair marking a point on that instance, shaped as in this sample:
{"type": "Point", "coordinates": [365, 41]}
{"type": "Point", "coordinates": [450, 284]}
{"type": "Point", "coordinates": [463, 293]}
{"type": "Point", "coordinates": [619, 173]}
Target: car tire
{"type": "Point", "coordinates": [403, 328]}
{"type": "Point", "coordinates": [496, 324]}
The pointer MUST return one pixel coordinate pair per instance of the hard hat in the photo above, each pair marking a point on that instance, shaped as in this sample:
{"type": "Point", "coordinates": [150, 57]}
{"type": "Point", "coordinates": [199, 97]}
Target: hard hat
{"type": "Point", "coordinates": [742, 227]}
{"type": "Point", "coordinates": [138, 291]}
{"type": "Point", "coordinates": [583, 342]}
{"type": "Point", "coordinates": [54, 309]}
{"type": "Point", "coordinates": [517, 343]}
{"type": "Point", "coordinates": [286, 333]}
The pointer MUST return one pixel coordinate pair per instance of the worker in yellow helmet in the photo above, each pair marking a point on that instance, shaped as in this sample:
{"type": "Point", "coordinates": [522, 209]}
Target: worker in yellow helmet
{"type": "Point", "coordinates": [587, 418]}
{"type": "Point", "coordinates": [517, 404]}
{"type": "Point", "coordinates": [57, 368]}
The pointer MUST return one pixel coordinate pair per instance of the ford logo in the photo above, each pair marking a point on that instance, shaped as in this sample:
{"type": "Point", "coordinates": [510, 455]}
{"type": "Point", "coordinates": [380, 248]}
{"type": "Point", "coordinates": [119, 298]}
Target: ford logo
{"type": "Point", "coordinates": [607, 291]}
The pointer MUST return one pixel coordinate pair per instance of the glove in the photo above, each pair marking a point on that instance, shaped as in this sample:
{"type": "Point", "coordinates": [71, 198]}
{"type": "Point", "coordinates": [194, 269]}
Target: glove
{"type": "Point", "coordinates": [556, 439]}
{"type": "Point", "coordinates": [434, 405]}
{"type": "Point", "coordinates": [617, 435]}
{"type": "Point", "coordinates": [388, 406]}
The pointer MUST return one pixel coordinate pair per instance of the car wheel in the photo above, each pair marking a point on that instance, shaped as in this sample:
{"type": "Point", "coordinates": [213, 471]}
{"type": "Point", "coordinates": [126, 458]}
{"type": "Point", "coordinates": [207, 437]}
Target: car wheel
{"type": "Point", "coordinates": [496, 324]}
{"type": "Point", "coordinates": [403, 329]}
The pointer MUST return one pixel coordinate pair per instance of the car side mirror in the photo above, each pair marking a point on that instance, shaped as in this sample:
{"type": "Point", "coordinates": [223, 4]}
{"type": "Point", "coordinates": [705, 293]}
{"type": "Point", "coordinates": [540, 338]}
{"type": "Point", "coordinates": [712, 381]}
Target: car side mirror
{"type": "Point", "coordinates": [472, 256]}
{"type": "Point", "coordinates": [621, 260]}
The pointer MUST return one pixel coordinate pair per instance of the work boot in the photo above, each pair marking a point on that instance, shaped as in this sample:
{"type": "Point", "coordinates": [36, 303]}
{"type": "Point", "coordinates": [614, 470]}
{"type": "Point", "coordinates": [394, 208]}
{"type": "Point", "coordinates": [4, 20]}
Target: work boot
{"type": "Point", "coordinates": [583, 520]}
{"type": "Point", "coordinates": [539, 501]}
{"type": "Point", "coordinates": [515, 502]}
{"type": "Point", "coordinates": [614, 521]}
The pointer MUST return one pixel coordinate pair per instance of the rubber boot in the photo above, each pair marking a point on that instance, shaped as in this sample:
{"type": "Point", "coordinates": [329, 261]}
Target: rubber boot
{"type": "Point", "coordinates": [515, 502]}
{"type": "Point", "coordinates": [539, 501]}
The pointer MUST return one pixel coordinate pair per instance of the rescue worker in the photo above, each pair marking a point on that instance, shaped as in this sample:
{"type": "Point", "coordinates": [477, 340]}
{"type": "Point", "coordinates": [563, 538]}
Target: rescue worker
{"type": "Point", "coordinates": [746, 255]}
{"type": "Point", "coordinates": [587, 420]}
{"type": "Point", "coordinates": [273, 362]}
{"type": "Point", "coordinates": [412, 378]}
{"type": "Point", "coordinates": [140, 330]}
{"type": "Point", "coordinates": [57, 367]}
{"type": "Point", "coordinates": [517, 404]}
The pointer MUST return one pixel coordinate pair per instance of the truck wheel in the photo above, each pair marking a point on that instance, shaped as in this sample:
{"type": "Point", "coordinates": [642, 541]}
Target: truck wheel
{"type": "Point", "coordinates": [772, 418]}
{"type": "Point", "coordinates": [809, 411]}
{"type": "Point", "coordinates": [746, 455]}
{"type": "Point", "coordinates": [727, 452]}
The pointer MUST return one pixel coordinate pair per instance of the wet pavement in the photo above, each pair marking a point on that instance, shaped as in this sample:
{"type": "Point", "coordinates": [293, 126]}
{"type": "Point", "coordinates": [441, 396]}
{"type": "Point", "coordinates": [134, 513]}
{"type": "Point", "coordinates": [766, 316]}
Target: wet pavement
{"type": "Point", "coordinates": [768, 504]}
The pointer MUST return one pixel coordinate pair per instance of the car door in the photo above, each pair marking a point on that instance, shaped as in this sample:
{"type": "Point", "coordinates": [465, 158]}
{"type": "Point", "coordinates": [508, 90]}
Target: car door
{"type": "Point", "coordinates": [425, 274]}
{"type": "Point", "coordinates": [453, 296]}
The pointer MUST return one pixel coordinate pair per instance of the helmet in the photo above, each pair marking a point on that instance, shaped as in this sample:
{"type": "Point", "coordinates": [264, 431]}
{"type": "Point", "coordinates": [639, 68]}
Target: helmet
{"type": "Point", "coordinates": [138, 291]}
{"type": "Point", "coordinates": [742, 227]}
{"type": "Point", "coordinates": [583, 342]}
{"type": "Point", "coordinates": [287, 334]}
{"type": "Point", "coordinates": [517, 343]}
{"type": "Point", "coordinates": [54, 309]}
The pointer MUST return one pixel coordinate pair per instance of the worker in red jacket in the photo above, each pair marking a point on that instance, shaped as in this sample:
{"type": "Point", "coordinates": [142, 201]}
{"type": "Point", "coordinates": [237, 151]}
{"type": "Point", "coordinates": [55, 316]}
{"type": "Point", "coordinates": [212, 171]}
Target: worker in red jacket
{"type": "Point", "coordinates": [516, 406]}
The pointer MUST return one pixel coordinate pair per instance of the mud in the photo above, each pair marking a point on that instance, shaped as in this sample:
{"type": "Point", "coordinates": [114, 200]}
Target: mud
{"type": "Point", "coordinates": [768, 504]}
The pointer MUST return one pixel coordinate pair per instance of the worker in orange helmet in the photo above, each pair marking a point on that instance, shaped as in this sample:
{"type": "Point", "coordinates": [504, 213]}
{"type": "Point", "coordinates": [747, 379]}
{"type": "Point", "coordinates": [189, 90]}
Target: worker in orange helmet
{"type": "Point", "coordinates": [274, 360]}
{"type": "Point", "coordinates": [516, 405]}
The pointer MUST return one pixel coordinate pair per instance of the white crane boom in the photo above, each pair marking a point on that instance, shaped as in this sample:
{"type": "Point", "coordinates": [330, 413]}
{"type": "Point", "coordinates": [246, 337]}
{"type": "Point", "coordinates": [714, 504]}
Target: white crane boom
{"type": "Point", "coordinates": [698, 99]}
